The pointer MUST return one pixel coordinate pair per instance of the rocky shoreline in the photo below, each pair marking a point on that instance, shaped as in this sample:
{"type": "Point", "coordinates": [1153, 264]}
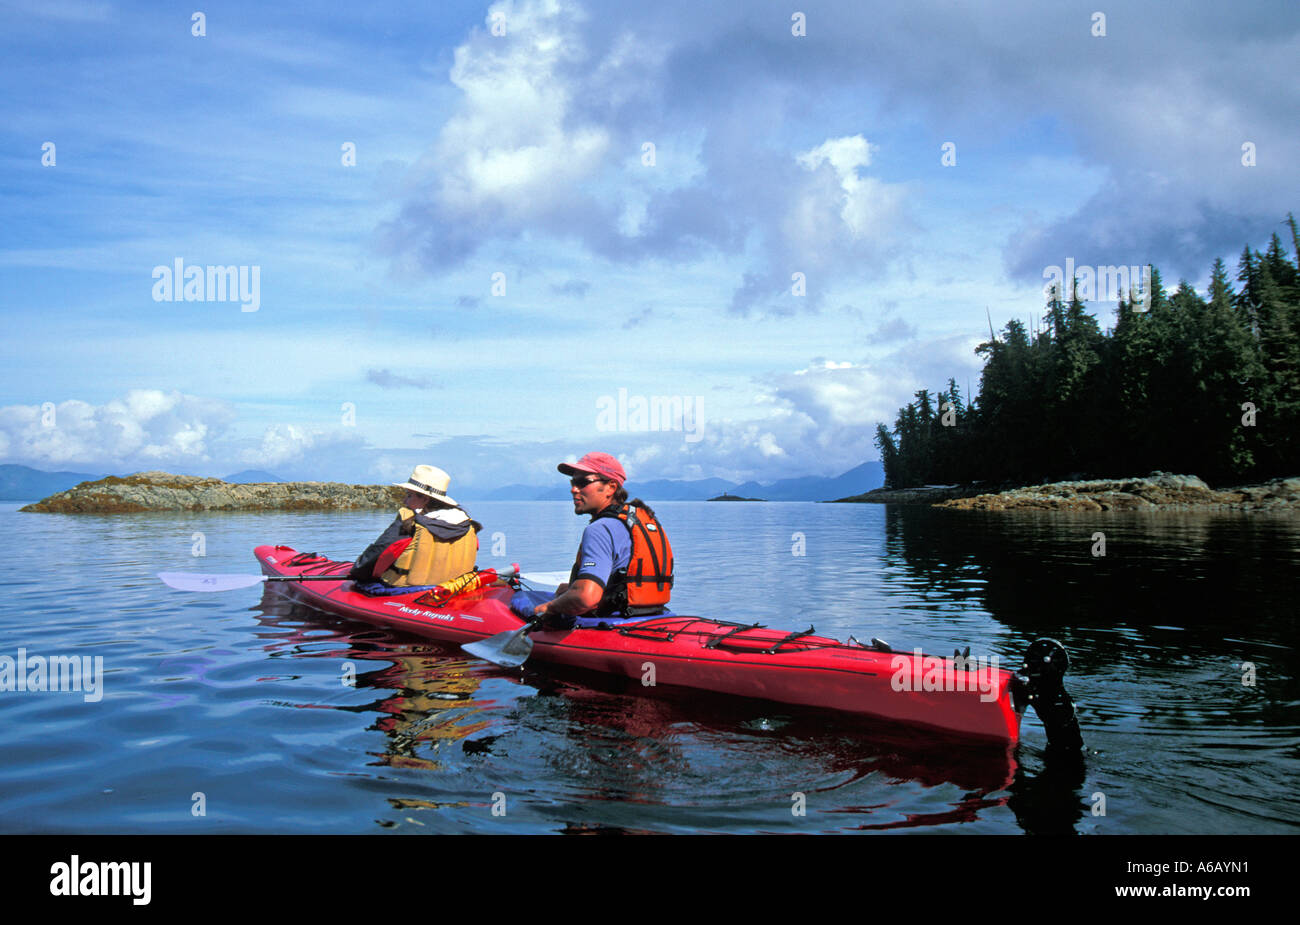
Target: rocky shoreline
{"type": "Point", "coordinates": [1160, 491]}
{"type": "Point", "coordinates": [927, 494]}
{"type": "Point", "coordinates": [162, 491]}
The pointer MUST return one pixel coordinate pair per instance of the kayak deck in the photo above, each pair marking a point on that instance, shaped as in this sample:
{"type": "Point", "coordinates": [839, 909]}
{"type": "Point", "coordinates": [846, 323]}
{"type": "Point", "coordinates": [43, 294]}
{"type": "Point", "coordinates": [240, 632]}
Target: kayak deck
{"type": "Point", "coordinates": [747, 660]}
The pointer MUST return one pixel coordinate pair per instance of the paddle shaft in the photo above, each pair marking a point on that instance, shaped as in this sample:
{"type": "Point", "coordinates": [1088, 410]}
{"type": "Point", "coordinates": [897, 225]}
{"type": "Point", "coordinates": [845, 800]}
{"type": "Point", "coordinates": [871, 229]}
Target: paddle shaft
{"type": "Point", "coordinates": [506, 573]}
{"type": "Point", "coordinates": [342, 577]}
{"type": "Point", "coordinates": [190, 581]}
{"type": "Point", "coordinates": [499, 573]}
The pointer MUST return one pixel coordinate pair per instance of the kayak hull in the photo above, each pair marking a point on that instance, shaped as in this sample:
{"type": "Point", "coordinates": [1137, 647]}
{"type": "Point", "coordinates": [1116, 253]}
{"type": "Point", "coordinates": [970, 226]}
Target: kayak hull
{"type": "Point", "coordinates": [696, 652]}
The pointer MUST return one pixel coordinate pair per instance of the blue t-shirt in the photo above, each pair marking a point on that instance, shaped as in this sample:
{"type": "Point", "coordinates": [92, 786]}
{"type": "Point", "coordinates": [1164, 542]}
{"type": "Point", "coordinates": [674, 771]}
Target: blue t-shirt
{"type": "Point", "coordinates": [606, 547]}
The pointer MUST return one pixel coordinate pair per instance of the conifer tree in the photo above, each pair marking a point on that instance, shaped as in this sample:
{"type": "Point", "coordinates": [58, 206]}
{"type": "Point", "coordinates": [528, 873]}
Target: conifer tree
{"type": "Point", "coordinates": [1280, 352]}
{"type": "Point", "coordinates": [1227, 362]}
{"type": "Point", "coordinates": [888, 456]}
{"type": "Point", "coordinates": [1248, 298]}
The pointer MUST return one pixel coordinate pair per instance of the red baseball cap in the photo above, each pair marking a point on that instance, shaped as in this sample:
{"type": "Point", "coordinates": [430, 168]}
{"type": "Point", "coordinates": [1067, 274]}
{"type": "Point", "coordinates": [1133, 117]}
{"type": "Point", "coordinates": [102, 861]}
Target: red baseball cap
{"type": "Point", "coordinates": [601, 464]}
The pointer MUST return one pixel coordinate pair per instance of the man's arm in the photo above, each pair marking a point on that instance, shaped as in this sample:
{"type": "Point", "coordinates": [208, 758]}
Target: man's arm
{"type": "Point", "coordinates": [362, 567]}
{"type": "Point", "coordinates": [583, 595]}
{"type": "Point", "coordinates": [595, 562]}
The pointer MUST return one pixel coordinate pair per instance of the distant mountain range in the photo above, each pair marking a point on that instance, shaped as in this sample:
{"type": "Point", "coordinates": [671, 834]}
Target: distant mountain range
{"type": "Point", "coordinates": [22, 483]}
{"type": "Point", "coordinates": [857, 480]}
{"type": "Point", "coordinates": [249, 476]}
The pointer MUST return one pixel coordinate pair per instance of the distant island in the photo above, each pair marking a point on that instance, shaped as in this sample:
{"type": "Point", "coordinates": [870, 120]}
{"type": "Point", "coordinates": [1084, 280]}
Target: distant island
{"type": "Point", "coordinates": [163, 491]}
{"type": "Point", "coordinates": [1160, 491]}
{"type": "Point", "coordinates": [726, 497]}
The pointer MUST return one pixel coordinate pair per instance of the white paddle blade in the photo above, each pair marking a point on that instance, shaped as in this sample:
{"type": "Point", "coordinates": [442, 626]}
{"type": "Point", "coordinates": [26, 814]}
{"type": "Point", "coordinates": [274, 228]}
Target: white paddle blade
{"type": "Point", "coordinates": [192, 581]}
{"type": "Point", "coordinates": [545, 579]}
{"type": "Point", "coordinates": [509, 649]}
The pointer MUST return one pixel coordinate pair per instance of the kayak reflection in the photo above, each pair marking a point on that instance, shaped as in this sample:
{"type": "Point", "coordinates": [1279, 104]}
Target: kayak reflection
{"type": "Point", "coordinates": [576, 740]}
{"type": "Point", "coordinates": [425, 699]}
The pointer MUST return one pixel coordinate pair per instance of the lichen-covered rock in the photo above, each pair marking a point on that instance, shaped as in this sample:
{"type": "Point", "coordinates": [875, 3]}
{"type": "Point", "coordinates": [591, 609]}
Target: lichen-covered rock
{"type": "Point", "coordinates": [1160, 491]}
{"type": "Point", "coordinates": [164, 491]}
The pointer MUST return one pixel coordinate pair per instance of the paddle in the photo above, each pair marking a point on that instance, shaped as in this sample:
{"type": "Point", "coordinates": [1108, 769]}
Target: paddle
{"type": "Point", "coordinates": [509, 649]}
{"type": "Point", "coordinates": [194, 581]}
{"type": "Point", "coordinates": [546, 579]}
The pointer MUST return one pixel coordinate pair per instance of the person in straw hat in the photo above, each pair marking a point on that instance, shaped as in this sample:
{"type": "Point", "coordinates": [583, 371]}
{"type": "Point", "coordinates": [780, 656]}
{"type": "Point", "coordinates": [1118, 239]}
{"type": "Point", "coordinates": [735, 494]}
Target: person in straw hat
{"type": "Point", "coordinates": [432, 540]}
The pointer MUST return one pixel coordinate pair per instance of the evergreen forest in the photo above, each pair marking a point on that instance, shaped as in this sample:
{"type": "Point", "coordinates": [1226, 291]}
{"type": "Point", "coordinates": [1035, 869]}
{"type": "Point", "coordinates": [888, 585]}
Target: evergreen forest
{"type": "Point", "coordinates": [1204, 386]}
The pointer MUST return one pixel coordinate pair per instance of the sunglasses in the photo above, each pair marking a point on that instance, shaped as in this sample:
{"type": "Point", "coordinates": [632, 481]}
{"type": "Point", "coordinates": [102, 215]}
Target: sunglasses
{"type": "Point", "coordinates": [582, 481]}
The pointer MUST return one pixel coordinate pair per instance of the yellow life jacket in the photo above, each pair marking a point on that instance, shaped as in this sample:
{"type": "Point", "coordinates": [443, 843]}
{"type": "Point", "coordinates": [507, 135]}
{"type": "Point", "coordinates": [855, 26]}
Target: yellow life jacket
{"type": "Point", "coordinates": [444, 545]}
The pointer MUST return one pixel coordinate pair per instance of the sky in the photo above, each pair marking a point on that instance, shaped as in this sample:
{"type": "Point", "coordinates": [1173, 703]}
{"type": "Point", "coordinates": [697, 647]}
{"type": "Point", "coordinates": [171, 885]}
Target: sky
{"type": "Point", "coordinates": [494, 236]}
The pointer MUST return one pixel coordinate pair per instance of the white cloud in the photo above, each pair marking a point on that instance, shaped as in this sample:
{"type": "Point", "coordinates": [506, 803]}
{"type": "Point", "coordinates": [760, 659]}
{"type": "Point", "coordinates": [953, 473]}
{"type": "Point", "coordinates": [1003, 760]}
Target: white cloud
{"type": "Point", "coordinates": [840, 213]}
{"type": "Point", "coordinates": [866, 204]}
{"type": "Point", "coordinates": [547, 146]}
{"type": "Point", "coordinates": [835, 395]}
{"type": "Point", "coordinates": [510, 144]}
{"type": "Point", "coordinates": [816, 419]}
{"type": "Point", "coordinates": [827, 221]}
{"type": "Point", "coordinates": [280, 443]}
{"type": "Point", "coordinates": [147, 427]}
{"type": "Point", "coordinates": [292, 443]}
{"type": "Point", "coordinates": [768, 447]}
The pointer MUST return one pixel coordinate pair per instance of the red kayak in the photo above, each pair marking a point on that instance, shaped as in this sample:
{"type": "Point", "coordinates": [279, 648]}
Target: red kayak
{"type": "Point", "coordinates": [952, 695]}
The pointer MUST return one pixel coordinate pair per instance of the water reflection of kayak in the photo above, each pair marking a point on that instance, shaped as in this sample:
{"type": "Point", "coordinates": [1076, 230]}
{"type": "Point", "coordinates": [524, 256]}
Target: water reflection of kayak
{"type": "Point", "coordinates": [633, 743]}
{"type": "Point", "coordinates": [959, 696]}
{"type": "Point", "coordinates": [843, 752]}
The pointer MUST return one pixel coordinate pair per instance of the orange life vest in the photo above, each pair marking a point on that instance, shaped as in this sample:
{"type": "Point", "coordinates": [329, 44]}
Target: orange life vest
{"type": "Point", "coordinates": [643, 587]}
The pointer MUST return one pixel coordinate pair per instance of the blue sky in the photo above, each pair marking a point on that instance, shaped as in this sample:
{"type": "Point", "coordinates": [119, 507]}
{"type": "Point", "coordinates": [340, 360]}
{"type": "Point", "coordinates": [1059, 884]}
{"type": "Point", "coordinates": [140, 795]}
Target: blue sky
{"type": "Point", "coordinates": [519, 161]}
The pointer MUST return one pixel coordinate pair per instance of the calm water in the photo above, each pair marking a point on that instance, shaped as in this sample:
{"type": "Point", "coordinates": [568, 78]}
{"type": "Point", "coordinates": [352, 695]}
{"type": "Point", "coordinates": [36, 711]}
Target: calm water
{"type": "Point", "coordinates": [237, 697]}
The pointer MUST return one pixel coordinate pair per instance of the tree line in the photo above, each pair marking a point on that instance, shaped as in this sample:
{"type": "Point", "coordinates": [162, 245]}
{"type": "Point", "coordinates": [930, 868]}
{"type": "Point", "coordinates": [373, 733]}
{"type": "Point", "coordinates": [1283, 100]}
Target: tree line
{"type": "Point", "coordinates": [1192, 385]}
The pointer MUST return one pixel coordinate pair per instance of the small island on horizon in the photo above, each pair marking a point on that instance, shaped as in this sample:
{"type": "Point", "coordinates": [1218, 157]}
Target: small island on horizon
{"type": "Point", "coordinates": [143, 492]}
{"type": "Point", "coordinates": [727, 496]}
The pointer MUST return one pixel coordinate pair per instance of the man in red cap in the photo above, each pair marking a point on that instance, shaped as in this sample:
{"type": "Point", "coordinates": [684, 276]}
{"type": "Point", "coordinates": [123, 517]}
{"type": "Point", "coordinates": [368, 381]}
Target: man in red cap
{"type": "Point", "coordinates": [598, 588]}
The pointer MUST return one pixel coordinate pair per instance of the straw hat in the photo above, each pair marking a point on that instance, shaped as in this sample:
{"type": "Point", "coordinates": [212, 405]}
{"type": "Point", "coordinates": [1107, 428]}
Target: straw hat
{"type": "Point", "coordinates": [430, 481]}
